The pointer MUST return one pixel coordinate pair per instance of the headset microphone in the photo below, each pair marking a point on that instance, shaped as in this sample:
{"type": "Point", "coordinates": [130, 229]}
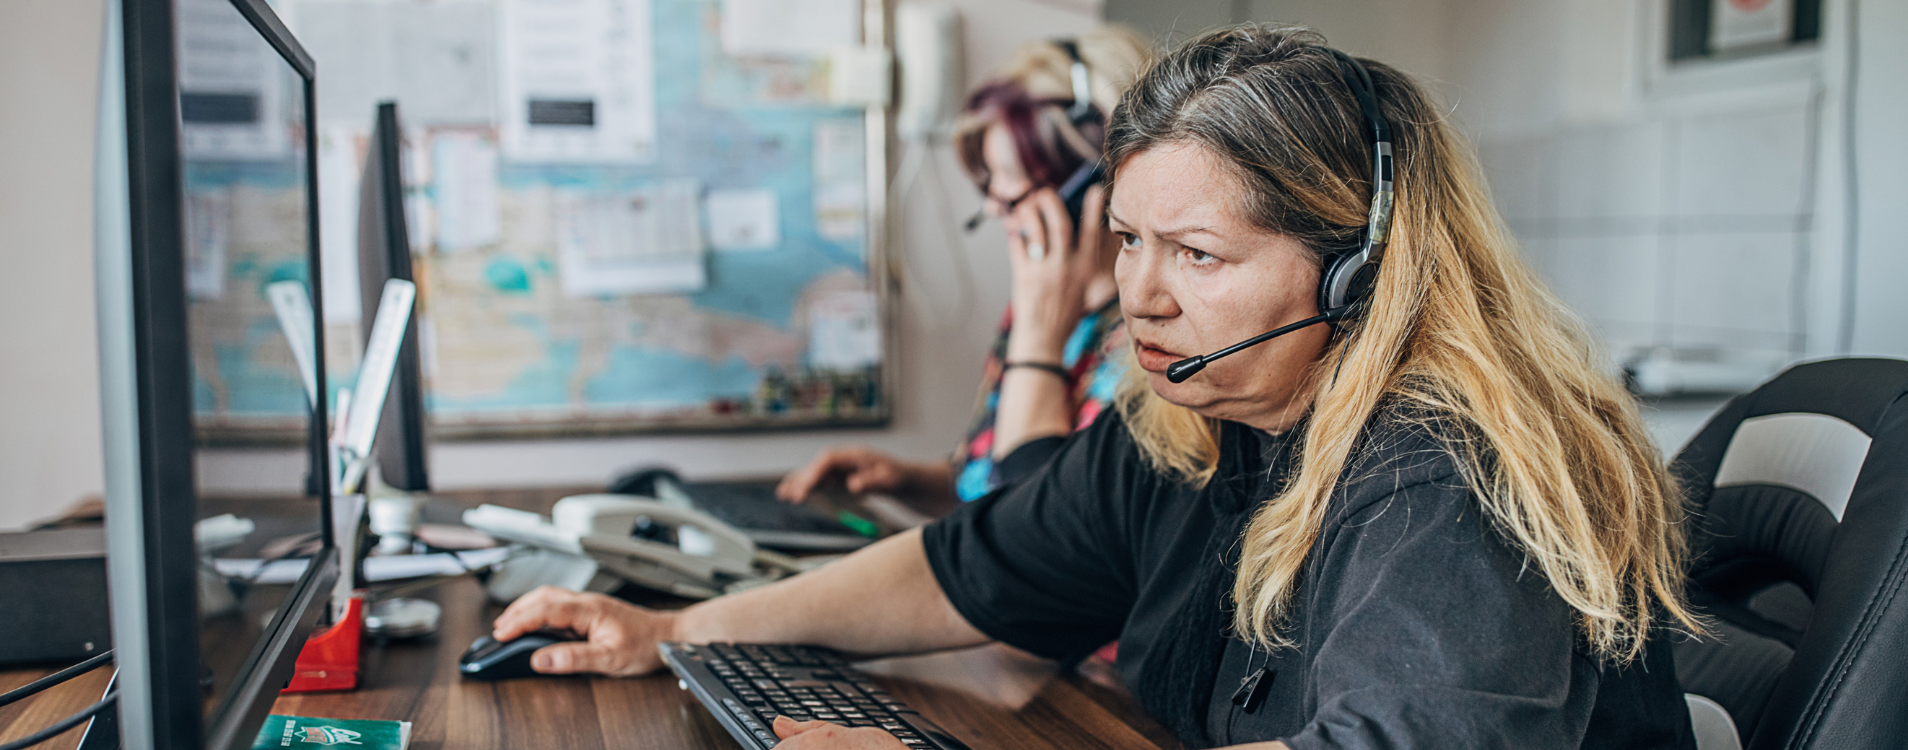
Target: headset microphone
{"type": "Point", "coordinates": [1345, 279]}
{"type": "Point", "coordinates": [1190, 366]}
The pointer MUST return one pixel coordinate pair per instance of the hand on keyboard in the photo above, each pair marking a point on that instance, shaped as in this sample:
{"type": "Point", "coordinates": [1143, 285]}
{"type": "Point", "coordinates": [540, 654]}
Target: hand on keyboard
{"type": "Point", "coordinates": [822, 735]}
{"type": "Point", "coordinates": [620, 638]}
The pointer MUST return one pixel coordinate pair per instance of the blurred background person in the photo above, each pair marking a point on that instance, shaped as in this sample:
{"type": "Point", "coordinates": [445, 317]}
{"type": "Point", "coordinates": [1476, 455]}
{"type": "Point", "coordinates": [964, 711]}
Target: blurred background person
{"type": "Point", "coordinates": [1025, 137]}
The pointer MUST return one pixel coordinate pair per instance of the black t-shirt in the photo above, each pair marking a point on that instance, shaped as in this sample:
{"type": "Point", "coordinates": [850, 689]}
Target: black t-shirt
{"type": "Point", "coordinates": [1414, 623]}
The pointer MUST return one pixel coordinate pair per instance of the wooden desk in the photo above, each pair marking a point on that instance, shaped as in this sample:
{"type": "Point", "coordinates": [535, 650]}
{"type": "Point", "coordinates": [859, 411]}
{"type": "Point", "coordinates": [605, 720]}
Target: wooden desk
{"type": "Point", "coordinates": [990, 697]}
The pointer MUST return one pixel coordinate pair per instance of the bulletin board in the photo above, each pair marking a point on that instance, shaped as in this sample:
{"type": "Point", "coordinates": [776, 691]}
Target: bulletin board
{"type": "Point", "coordinates": [656, 221]}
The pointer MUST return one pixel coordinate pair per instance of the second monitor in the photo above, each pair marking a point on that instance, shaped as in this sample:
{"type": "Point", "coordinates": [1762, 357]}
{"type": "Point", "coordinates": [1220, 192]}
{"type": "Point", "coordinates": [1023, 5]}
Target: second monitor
{"type": "Point", "coordinates": [384, 252]}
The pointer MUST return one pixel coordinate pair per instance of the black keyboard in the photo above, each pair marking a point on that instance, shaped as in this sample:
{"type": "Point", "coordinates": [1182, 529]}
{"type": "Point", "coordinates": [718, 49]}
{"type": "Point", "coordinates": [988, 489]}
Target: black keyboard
{"type": "Point", "coordinates": [747, 685]}
{"type": "Point", "coordinates": [753, 510]}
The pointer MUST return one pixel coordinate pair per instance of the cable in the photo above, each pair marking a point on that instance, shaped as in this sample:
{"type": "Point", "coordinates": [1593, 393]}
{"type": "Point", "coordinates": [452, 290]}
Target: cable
{"type": "Point", "coordinates": [1806, 220]}
{"type": "Point", "coordinates": [904, 179]}
{"type": "Point", "coordinates": [916, 164]}
{"type": "Point", "coordinates": [964, 280]}
{"type": "Point", "coordinates": [56, 678]}
{"type": "Point", "coordinates": [1852, 188]}
{"type": "Point", "coordinates": [65, 724]}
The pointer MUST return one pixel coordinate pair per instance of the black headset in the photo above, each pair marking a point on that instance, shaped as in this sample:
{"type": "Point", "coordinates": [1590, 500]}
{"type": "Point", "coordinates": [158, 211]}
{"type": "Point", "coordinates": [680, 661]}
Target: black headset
{"type": "Point", "coordinates": [1082, 108]}
{"type": "Point", "coordinates": [1345, 279]}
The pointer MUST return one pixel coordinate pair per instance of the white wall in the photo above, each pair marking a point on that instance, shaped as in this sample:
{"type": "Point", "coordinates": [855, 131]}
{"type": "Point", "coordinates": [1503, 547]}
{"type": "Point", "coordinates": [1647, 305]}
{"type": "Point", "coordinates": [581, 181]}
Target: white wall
{"type": "Point", "coordinates": [49, 421]}
{"type": "Point", "coordinates": [1703, 205]}
{"type": "Point", "coordinates": [1411, 34]}
{"type": "Point", "coordinates": [1172, 21]}
{"type": "Point", "coordinates": [49, 374]}
{"type": "Point", "coordinates": [1881, 307]}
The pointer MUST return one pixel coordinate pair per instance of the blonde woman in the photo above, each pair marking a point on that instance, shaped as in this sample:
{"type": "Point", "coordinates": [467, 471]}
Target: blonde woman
{"type": "Point", "coordinates": [1434, 524]}
{"type": "Point", "coordinates": [1021, 137]}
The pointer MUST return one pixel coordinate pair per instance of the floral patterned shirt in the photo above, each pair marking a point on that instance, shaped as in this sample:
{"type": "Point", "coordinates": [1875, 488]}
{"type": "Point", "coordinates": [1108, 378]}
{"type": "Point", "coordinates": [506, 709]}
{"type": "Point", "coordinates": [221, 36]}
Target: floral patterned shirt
{"type": "Point", "coordinates": [1092, 356]}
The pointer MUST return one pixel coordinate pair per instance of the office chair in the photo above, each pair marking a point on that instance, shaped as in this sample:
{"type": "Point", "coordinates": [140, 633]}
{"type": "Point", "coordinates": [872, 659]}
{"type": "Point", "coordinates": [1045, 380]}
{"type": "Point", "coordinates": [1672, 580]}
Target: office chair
{"type": "Point", "coordinates": [1799, 546]}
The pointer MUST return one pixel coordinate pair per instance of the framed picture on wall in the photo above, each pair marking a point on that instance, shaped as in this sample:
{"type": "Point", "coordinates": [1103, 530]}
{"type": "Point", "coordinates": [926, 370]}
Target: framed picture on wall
{"type": "Point", "coordinates": [1724, 29]}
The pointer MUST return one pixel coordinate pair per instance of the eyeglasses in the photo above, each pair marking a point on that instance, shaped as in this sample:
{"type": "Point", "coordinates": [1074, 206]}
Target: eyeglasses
{"type": "Point", "coordinates": [1006, 206]}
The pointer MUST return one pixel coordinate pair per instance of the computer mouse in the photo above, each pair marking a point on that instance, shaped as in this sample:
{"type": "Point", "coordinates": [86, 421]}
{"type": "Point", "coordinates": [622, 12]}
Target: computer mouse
{"type": "Point", "coordinates": [492, 659]}
{"type": "Point", "coordinates": [643, 481]}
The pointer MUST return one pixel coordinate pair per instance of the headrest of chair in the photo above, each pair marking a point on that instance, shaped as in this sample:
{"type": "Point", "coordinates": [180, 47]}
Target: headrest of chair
{"type": "Point", "coordinates": [1808, 430]}
{"type": "Point", "coordinates": [1772, 474]}
{"type": "Point", "coordinates": [1815, 454]}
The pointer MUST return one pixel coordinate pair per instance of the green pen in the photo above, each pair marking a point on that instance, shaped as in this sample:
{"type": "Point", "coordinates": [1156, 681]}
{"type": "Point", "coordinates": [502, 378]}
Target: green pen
{"type": "Point", "coordinates": [861, 525]}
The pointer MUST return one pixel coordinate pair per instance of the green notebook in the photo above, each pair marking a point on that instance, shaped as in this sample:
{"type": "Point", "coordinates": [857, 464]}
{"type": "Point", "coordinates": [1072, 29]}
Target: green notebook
{"type": "Point", "coordinates": [305, 733]}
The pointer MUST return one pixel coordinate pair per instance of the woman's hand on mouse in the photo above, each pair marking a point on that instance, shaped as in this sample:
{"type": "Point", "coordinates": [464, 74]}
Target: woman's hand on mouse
{"type": "Point", "coordinates": [1053, 263]}
{"type": "Point", "coordinates": [821, 735]}
{"type": "Point", "coordinates": [619, 638]}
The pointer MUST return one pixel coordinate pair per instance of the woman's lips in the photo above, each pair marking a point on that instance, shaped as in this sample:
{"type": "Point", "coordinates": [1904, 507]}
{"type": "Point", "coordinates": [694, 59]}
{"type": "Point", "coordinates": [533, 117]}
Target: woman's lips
{"type": "Point", "coordinates": [1154, 359]}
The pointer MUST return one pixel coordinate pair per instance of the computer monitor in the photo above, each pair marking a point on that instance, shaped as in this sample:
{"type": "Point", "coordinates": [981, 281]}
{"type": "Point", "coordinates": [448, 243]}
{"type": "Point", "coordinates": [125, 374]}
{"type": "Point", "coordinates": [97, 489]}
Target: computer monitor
{"type": "Point", "coordinates": [208, 297]}
{"type": "Point", "coordinates": [384, 252]}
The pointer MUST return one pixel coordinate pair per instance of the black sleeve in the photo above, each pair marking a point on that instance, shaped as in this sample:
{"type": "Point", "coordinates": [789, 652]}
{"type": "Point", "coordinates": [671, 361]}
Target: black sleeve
{"type": "Point", "coordinates": [1028, 459]}
{"type": "Point", "coordinates": [1046, 565]}
{"type": "Point", "coordinates": [1440, 635]}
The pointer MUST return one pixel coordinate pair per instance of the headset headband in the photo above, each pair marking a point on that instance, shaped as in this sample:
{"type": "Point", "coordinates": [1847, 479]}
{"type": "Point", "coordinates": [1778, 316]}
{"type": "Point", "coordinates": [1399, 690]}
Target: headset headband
{"type": "Point", "coordinates": [1348, 280]}
{"type": "Point", "coordinates": [1082, 106]}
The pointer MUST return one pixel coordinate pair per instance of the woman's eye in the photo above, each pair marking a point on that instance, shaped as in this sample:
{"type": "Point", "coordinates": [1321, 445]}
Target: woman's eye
{"type": "Point", "coordinates": [1128, 241]}
{"type": "Point", "coordinates": [1199, 257]}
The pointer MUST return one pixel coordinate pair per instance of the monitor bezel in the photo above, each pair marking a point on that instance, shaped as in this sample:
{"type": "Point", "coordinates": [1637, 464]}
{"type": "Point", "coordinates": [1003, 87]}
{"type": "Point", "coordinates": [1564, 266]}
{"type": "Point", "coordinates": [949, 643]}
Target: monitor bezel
{"type": "Point", "coordinates": [384, 252]}
{"type": "Point", "coordinates": [170, 695]}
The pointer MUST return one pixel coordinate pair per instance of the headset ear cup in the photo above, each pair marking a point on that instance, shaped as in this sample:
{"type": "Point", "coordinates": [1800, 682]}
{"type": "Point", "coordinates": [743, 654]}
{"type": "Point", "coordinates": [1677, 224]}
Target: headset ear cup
{"type": "Point", "coordinates": [1363, 279]}
{"type": "Point", "coordinates": [1345, 272]}
{"type": "Point", "coordinates": [1328, 278]}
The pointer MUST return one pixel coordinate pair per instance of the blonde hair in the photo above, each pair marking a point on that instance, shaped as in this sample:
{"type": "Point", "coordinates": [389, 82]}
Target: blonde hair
{"type": "Point", "coordinates": [1114, 56]}
{"type": "Point", "coordinates": [1030, 93]}
{"type": "Point", "coordinates": [1457, 328]}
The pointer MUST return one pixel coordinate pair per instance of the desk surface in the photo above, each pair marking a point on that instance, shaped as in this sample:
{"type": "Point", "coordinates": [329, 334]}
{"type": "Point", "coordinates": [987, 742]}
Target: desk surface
{"type": "Point", "coordinates": [991, 697]}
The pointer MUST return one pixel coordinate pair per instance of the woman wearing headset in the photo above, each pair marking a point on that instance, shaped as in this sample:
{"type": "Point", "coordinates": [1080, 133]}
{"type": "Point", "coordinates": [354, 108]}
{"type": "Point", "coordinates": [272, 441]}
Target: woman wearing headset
{"type": "Point", "coordinates": [1023, 137]}
{"type": "Point", "coordinates": [1435, 523]}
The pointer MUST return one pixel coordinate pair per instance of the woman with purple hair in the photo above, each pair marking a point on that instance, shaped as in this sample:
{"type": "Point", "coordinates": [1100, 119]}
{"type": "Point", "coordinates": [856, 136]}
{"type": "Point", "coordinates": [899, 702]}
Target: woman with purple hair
{"type": "Point", "coordinates": [1030, 138]}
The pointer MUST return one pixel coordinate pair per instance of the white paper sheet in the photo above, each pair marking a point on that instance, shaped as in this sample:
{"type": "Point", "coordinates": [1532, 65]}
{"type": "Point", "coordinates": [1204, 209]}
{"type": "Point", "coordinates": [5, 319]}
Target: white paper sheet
{"type": "Point", "coordinates": [465, 167]}
{"type": "Point", "coordinates": [579, 81]}
{"type": "Point", "coordinates": [844, 331]}
{"type": "Point", "coordinates": [340, 160]}
{"type": "Point", "coordinates": [436, 59]}
{"type": "Point", "coordinates": [1746, 23]}
{"type": "Point", "coordinates": [841, 193]}
{"type": "Point", "coordinates": [420, 207]}
{"type": "Point", "coordinates": [224, 68]}
{"type": "Point", "coordinates": [208, 226]}
{"type": "Point", "coordinates": [376, 569]}
{"type": "Point", "coordinates": [798, 28]}
{"type": "Point", "coordinates": [445, 61]}
{"type": "Point", "coordinates": [637, 242]}
{"type": "Point", "coordinates": [744, 219]}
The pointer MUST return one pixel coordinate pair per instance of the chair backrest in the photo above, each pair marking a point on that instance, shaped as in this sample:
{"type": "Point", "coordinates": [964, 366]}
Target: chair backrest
{"type": "Point", "coordinates": [1800, 557]}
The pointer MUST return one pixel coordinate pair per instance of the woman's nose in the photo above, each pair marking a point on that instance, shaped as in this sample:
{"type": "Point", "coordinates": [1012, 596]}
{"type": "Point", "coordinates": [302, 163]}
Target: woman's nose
{"type": "Point", "coordinates": [1140, 275]}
